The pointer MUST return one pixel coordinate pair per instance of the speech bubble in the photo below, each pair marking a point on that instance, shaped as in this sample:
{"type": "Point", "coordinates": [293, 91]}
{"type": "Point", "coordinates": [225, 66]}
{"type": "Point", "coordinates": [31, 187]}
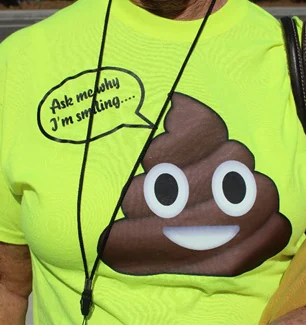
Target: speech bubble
{"type": "Point", "coordinates": [64, 112]}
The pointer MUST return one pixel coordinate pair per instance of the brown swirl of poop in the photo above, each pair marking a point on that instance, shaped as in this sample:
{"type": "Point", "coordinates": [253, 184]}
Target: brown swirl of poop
{"type": "Point", "coordinates": [196, 141]}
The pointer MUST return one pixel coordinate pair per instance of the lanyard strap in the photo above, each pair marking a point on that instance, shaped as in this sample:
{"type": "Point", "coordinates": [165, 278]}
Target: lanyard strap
{"type": "Point", "coordinates": [296, 57]}
{"type": "Point", "coordinates": [86, 299]}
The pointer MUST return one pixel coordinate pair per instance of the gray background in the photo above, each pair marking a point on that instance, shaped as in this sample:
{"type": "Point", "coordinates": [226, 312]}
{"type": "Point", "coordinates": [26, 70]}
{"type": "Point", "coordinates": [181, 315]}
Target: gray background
{"type": "Point", "coordinates": [12, 20]}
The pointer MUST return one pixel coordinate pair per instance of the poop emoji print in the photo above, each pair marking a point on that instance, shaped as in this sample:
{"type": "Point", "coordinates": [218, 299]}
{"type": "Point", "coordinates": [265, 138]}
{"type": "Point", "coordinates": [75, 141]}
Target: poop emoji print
{"type": "Point", "coordinates": [200, 207]}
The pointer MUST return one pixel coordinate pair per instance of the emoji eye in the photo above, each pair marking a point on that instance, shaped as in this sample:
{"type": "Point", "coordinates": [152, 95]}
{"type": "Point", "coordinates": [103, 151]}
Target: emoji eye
{"type": "Point", "coordinates": [234, 188]}
{"type": "Point", "coordinates": [166, 190]}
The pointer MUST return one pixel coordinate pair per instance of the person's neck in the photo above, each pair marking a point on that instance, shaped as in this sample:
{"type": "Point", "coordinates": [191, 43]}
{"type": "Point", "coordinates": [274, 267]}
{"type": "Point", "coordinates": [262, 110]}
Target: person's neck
{"type": "Point", "coordinates": [179, 9]}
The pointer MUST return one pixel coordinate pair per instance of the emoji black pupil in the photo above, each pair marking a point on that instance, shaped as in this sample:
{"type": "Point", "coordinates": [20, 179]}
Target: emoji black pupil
{"type": "Point", "coordinates": [166, 189]}
{"type": "Point", "coordinates": [234, 187]}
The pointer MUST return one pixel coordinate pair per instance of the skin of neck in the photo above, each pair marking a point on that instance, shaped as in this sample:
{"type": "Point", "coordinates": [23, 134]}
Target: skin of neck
{"type": "Point", "coordinates": [179, 9]}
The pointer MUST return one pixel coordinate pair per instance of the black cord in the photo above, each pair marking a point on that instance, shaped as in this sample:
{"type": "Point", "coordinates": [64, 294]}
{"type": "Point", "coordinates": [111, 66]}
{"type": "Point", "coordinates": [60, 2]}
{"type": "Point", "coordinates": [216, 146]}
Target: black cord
{"type": "Point", "coordinates": [103, 243]}
{"type": "Point", "coordinates": [86, 300]}
{"type": "Point", "coordinates": [193, 45]}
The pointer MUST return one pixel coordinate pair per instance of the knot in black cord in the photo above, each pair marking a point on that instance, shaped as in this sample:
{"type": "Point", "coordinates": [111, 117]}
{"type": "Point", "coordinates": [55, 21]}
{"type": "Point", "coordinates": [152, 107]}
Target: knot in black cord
{"type": "Point", "coordinates": [86, 299]}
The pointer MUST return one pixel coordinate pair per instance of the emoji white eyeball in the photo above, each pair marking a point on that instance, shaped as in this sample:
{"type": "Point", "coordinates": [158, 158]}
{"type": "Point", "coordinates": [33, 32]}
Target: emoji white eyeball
{"type": "Point", "coordinates": [166, 190]}
{"type": "Point", "coordinates": [234, 188]}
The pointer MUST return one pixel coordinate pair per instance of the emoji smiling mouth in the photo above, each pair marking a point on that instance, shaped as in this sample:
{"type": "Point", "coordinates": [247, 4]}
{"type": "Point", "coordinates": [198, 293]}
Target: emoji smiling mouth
{"type": "Point", "coordinates": [200, 238]}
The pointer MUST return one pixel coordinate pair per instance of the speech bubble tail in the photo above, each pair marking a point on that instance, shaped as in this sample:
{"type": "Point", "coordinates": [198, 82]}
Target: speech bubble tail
{"type": "Point", "coordinates": [150, 125]}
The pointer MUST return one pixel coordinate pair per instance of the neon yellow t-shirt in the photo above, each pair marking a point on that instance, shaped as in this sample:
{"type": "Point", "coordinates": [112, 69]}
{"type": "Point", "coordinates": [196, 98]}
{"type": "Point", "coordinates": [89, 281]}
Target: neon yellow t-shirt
{"type": "Point", "coordinates": [217, 209]}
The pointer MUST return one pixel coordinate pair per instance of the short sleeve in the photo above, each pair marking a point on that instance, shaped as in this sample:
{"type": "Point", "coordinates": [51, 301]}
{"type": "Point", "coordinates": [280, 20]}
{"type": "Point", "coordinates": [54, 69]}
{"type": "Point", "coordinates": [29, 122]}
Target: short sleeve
{"type": "Point", "coordinates": [10, 208]}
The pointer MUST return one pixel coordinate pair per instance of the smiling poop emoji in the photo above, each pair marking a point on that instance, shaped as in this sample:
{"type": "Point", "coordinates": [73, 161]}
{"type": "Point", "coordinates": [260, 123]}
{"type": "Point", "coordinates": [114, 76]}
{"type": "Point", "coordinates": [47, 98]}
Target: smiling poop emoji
{"type": "Point", "coordinates": [199, 208]}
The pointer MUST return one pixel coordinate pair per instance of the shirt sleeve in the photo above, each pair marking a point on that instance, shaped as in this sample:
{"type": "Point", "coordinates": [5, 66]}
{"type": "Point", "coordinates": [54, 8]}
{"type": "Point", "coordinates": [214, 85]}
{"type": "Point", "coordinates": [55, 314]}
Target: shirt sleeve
{"type": "Point", "coordinates": [10, 207]}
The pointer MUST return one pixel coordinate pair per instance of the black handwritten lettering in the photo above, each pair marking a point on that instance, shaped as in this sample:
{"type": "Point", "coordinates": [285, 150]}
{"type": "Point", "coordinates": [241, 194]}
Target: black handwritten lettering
{"type": "Point", "coordinates": [67, 121]}
{"type": "Point", "coordinates": [58, 115]}
{"type": "Point", "coordinates": [116, 83]}
{"type": "Point", "coordinates": [68, 101]}
{"type": "Point", "coordinates": [116, 102]}
{"type": "Point", "coordinates": [107, 104]}
{"type": "Point", "coordinates": [81, 96]}
{"type": "Point", "coordinates": [56, 104]}
{"type": "Point", "coordinates": [55, 126]}
{"type": "Point", "coordinates": [99, 106]}
{"type": "Point", "coordinates": [108, 84]}
{"type": "Point", "coordinates": [104, 86]}
{"type": "Point", "coordinates": [103, 105]}
{"type": "Point", "coordinates": [78, 117]}
{"type": "Point", "coordinates": [86, 113]}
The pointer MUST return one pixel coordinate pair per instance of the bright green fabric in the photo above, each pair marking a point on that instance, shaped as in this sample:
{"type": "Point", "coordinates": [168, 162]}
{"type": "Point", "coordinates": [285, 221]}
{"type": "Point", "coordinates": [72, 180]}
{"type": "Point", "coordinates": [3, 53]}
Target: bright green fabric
{"type": "Point", "coordinates": [238, 69]}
